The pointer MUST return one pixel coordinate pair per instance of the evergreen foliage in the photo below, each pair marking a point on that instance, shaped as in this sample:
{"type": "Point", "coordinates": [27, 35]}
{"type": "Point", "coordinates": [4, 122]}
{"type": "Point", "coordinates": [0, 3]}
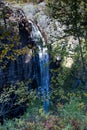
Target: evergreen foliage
{"type": "Point", "coordinates": [72, 15]}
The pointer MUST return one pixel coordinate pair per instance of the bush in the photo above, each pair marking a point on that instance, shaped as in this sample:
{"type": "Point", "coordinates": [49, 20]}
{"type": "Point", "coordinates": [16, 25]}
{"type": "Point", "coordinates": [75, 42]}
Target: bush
{"type": "Point", "coordinates": [13, 100]}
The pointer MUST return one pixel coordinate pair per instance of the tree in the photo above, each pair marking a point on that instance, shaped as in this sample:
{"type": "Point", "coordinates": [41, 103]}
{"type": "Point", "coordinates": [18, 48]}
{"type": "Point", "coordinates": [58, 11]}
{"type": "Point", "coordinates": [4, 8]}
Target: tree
{"type": "Point", "coordinates": [72, 14]}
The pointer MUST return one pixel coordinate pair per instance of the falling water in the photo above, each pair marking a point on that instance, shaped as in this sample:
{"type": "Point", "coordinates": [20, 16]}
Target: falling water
{"type": "Point", "coordinates": [44, 64]}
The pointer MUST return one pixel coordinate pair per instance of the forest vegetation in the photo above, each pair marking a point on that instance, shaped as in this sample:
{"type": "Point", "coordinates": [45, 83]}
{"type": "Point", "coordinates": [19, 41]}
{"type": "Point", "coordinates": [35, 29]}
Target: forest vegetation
{"type": "Point", "coordinates": [21, 105]}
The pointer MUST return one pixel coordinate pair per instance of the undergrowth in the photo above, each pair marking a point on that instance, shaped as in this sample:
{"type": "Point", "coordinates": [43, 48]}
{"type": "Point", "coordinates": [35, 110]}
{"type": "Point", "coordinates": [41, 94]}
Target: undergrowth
{"type": "Point", "coordinates": [71, 115]}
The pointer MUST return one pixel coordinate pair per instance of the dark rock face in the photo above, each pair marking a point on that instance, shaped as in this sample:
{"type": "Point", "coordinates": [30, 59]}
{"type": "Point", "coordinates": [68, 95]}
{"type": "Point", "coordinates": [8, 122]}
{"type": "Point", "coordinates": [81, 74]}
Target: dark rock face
{"type": "Point", "coordinates": [15, 71]}
{"type": "Point", "coordinates": [18, 69]}
{"type": "Point", "coordinates": [85, 128]}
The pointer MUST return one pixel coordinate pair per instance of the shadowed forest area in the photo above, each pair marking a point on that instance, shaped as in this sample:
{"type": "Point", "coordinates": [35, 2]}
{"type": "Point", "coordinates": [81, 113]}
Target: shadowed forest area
{"type": "Point", "coordinates": [43, 65]}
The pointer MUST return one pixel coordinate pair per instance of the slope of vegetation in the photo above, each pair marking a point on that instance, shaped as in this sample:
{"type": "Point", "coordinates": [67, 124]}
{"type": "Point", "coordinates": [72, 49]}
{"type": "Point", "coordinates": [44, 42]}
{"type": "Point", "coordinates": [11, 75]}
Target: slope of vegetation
{"type": "Point", "coordinates": [71, 115]}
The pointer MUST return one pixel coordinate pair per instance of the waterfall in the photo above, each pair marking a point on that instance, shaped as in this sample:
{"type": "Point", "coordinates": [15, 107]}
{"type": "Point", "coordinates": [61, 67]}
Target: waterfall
{"type": "Point", "coordinates": [44, 64]}
{"type": "Point", "coordinates": [44, 67]}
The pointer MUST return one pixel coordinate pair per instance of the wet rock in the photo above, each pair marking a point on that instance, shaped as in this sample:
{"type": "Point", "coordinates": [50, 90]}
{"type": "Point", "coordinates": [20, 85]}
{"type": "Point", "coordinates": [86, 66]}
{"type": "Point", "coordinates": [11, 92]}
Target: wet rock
{"type": "Point", "coordinates": [85, 128]}
{"type": "Point", "coordinates": [20, 26]}
{"type": "Point", "coordinates": [1, 120]}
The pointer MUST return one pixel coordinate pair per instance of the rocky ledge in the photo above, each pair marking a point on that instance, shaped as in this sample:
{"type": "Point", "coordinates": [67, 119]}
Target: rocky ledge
{"type": "Point", "coordinates": [50, 28]}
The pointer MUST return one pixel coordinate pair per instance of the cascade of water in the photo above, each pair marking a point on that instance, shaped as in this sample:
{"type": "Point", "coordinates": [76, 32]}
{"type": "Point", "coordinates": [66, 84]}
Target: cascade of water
{"type": "Point", "coordinates": [44, 64]}
{"type": "Point", "coordinates": [40, 60]}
